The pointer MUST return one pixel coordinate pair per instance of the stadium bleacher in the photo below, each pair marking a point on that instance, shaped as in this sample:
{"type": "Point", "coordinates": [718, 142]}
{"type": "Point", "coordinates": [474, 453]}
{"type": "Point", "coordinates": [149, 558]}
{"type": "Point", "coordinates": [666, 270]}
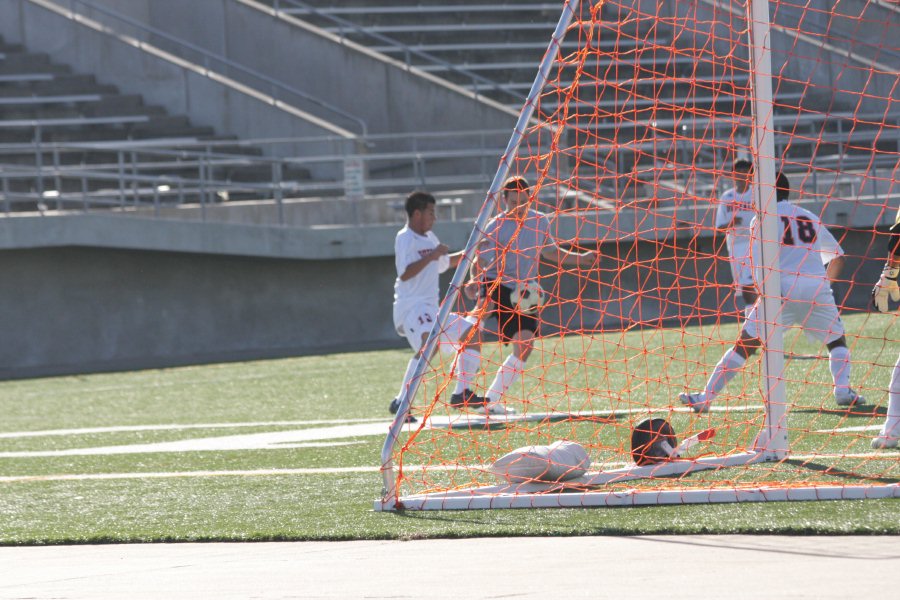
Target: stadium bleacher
{"type": "Point", "coordinates": [661, 95]}
{"type": "Point", "coordinates": [503, 41]}
{"type": "Point", "coordinates": [51, 117]}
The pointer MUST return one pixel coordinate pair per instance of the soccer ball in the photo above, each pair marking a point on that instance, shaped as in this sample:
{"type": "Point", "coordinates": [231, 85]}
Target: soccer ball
{"type": "Point", "coordinates": [527, 297]}
{"type": "Point", "coordinates": [648, 439]}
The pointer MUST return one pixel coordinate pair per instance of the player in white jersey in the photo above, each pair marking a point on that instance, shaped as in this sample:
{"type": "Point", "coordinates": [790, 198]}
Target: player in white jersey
{"type": "Point", "coordinates": [734, 212]}
{"type": "Point", "coordinates": [420, 258]}
{"type": "Point", "coordinates": [807, 300]}
{"type": "Point", "coordinates": [885, 289]}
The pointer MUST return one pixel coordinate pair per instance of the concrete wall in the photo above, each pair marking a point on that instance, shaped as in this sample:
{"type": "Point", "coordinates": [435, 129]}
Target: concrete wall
{"type": "Point", "coordinates": [92, 293]}
{"type": "Point", "coordinates": [75, 309]}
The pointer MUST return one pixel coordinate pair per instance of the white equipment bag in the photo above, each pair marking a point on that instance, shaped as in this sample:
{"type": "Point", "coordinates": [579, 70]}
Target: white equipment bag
{"type": "Point", "coordinates": [560, 461]}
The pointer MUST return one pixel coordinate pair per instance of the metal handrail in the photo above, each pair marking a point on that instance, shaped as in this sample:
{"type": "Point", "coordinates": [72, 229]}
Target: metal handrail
{"type": "Point", "coordinates": [211, 56]}
{"type": "Point", "coordinates": [408, 51]}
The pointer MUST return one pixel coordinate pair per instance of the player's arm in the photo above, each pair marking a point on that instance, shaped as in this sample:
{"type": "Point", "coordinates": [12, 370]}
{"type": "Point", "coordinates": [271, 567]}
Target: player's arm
{"type": "Point", "coordinates": [480, 261]}
{"type": "Point", "coordinates": [416, 267]}
{"type": "Point", "coordinates": [563, 257]}
{"type": "Point", "coordinates": [830, 251]}
{"type": "Point", "coordinates": [724, 219]}
{"type": "Point", "coordinates": [887, 287]}
{"type": "Point", "coordinates": [834, 268]}
{"type": "Point", "coordinates": [456, 258]}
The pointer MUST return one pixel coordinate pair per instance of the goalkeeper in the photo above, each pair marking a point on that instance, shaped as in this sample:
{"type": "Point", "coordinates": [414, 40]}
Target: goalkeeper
{"type": "Point", "coordinates": [506, 267]}
{"type": "Point", "coordinates": [886, 288]}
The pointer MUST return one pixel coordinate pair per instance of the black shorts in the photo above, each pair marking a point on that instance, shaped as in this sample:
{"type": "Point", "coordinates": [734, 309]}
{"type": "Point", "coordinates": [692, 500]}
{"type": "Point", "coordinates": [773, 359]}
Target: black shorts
{"type": "Point", "coordinates": [511, 321]}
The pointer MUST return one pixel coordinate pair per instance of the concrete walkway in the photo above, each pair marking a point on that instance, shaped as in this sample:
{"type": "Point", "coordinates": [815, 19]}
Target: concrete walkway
{"type": "Point", "coordinates": [662, 567]}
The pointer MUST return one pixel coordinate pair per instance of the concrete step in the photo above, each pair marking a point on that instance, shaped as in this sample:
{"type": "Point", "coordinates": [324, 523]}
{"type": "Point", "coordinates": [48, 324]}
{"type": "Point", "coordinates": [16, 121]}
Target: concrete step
{"type": "Point", "coordinates": [25, 62]}
{"type": "Point", "coordinates": [177, 127]}
{"type": "Point", "coordinates": [166, 149]}
{"type": "Point", "coordinates": [54, 85]}
{"type": "Point", "coordinates": [88, 110]}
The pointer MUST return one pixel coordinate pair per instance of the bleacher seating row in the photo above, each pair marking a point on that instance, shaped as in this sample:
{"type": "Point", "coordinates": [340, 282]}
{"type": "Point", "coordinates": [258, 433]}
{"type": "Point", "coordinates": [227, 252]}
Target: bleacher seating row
{"type": "Point", "coordinates": [639, 103]}
{"type": "Point", "coordinates": [84, 136]}
{"type": "Point", "coordinates": [504, 41]}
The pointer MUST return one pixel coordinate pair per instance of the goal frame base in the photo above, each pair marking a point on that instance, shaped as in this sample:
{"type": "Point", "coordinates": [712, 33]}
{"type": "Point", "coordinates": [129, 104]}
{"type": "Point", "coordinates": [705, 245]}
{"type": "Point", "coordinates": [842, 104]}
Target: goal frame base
{"type": "Point", "coordinates": [571, 494]}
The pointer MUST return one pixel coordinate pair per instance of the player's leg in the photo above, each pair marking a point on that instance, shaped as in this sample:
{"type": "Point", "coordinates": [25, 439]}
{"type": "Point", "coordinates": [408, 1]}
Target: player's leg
{"type": "Point", "coordinates": [728, 366]}
{"type": "Point", "coordinates": [839, 363]}
{"type": "Point", "coordinates": [747, 286]}
{"type": "Point", "coordinates": [522, 343]}
{"type": "Point", "coordinates": [468, 361]}
{"type": "Point", "coordinates": [821, 321]}
{"type": "Point", "coordinates": [415, 326]}
{"type": "Point", "coordinates": [519, 330]}
{"type": "Point", "coordinates": [889, 436]}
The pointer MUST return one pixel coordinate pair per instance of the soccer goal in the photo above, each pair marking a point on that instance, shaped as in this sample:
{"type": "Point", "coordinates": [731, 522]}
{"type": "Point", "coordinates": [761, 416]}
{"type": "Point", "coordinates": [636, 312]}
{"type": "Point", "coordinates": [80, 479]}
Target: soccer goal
{"type": "Point", "coordinates": [651, 133]}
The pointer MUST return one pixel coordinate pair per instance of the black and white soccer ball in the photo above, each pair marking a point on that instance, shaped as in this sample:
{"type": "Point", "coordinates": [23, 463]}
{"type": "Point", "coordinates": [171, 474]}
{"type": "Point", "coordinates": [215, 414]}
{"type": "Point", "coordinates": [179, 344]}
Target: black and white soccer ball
{"type": "Point", "coordinates": [528, 297]}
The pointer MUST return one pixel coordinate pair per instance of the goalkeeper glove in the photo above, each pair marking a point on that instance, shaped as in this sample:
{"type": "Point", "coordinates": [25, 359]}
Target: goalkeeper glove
{"type": "Point", "coordinates": [886, 288]}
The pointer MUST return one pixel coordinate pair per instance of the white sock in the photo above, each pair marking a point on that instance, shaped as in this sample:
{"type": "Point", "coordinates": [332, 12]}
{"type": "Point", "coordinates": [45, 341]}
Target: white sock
{"type": "Point", "coordinates": [466, 366]}
{"type": "Point", "coordinates": [507, 374]}
{"type": "Point", "coordinates": [892, 422]}
{"type": "Point", "coordinates": [839, 362]}
{"type": "Point", "coordinates": [408, 375]}
{"type": "Point", "coordinates": [727, 367]}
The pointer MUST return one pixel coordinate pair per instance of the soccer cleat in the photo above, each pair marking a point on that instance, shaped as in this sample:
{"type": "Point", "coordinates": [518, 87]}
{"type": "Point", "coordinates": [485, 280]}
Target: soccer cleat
{"type": "Point", "coordinates": [466, 399]}
{"type": "Point", "coordinates": [883, 442]}
{"type": "Point", "coordinates": [695, 400]}
{"type": "Point", "coordinates": [495, 408]}
{"type": "Point", "coordinates": [395, 406]}
{"type": "Point", "coordinates": [849, 399]}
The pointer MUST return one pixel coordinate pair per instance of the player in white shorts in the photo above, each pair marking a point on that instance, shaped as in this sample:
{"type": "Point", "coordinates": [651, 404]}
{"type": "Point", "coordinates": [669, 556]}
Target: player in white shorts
{"type": "Point", "coordinates": [734, 213]}
{"type": "Point", "coordinates": [420, 258]}
{"type": "Point", "coordinates": [886, 288]}
{"type": "Point", "coordinates": [807, 300]}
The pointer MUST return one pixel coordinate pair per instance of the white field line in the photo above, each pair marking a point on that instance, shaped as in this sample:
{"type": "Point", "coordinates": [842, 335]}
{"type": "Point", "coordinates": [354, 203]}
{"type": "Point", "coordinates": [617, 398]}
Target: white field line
{"type": "Point", "coordinates": [333, 470]}
{"type": "Point", "coordinates": [269, 440]}
{"type": "Point", "coordinates": [179, 427]}
{"type": "Point", "coordinates": [184, 474]}
{"type": "Point", "coordinates": [849, 429]}
{"type": "Point", "coordinates": [436, 421]}
{"type": "Point", "coordinates": [238, 473]}
{"type": "Point", "coordinates": [299, 438]}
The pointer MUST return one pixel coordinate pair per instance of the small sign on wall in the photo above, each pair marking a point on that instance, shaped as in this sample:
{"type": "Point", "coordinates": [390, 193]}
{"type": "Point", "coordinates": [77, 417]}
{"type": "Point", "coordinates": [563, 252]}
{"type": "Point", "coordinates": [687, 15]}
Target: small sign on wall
{"type": "Point", "coordinates": [354, 178]}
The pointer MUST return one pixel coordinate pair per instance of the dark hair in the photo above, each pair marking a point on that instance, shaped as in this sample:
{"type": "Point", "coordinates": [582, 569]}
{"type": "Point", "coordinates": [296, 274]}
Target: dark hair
{"type": "Point", "coordinates": [782, 187]}
{"type": "Point", "coordinates": [516, 183]}
{"type": "Point", "coordinates": [742, 164]}
{"type": "Point", "coordinates": [418, 200]}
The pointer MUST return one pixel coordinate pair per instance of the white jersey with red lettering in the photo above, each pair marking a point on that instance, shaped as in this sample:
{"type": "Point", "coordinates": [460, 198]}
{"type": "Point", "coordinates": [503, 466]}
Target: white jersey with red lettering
{"type": "Point", "coordinates": [419, 294]}
{"type": "Point", "coordinates": [806, 247]}
{"type": "Point", "coordinates": [735, 211]}
{"type": "Point", "coordinates": [806, 296]}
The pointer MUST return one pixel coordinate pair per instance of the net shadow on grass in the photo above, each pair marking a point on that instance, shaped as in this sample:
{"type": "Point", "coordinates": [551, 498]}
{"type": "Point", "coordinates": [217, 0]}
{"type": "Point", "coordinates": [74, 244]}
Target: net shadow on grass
{"type": "Point", "coordinates": [837, 472]}
{"type": "Point", "coordinates": [863, 411]}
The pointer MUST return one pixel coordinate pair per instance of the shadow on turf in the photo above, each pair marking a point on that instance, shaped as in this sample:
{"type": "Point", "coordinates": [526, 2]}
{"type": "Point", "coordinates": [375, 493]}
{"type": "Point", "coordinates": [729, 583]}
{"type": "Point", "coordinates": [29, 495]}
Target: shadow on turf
{"type": "Point", "coordinates": [835, 472]}
{"type": "Point", "coordinates": [869, 410]}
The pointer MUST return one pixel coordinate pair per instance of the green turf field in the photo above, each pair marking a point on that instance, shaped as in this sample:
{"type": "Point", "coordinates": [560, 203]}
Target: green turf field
{"type": "Point", "coordinates": [61, 483]}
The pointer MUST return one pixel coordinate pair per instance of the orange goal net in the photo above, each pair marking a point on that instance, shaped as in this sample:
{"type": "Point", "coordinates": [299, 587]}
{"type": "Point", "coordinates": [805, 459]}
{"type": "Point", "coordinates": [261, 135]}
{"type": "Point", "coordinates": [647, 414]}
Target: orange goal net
{"type": "Point", "coordinates": [705, 189]}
